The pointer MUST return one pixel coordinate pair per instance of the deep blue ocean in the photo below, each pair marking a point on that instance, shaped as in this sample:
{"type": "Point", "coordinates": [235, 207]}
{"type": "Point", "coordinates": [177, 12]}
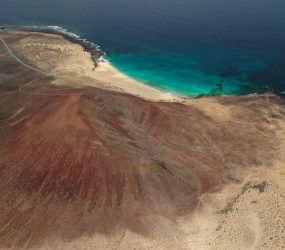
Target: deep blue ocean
{"type": "Point", "coordinates": [188, 47]}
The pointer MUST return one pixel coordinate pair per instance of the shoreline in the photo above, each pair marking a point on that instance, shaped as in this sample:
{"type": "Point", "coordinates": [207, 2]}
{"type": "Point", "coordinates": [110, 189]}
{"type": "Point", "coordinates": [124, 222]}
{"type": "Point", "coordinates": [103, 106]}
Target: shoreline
{"type": "Point", "coordinates": [90, 47]}
{"type": "Point", "coordinates": [108, 74]}
{"type": "Point", "coordinates": [98, 68]}
{"type": "Point", "coordinates": [103, 71]}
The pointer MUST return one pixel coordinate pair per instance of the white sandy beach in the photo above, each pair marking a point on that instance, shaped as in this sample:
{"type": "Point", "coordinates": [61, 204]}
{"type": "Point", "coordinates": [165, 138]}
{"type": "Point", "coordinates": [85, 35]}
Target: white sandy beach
{"type": "Point", "coordinates": [107, 73]}
{"type": "Point", "coordinates": [70, 62]}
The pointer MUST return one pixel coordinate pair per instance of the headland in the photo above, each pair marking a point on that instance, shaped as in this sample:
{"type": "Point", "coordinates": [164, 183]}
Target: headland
{"type": "Point", "coordinates": [82, 57]}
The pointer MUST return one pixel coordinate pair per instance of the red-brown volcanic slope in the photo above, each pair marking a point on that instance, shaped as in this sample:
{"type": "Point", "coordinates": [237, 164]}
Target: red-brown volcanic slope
{"type": "Point", "coordinates": [75, 162]}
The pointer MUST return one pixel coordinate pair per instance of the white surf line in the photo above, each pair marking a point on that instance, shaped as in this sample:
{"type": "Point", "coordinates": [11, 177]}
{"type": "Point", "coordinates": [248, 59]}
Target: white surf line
{"type": "Point", "coordinates": [19, 60]}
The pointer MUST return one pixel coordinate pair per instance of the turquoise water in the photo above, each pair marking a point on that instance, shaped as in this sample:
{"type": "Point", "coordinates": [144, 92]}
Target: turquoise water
{"type": "Point", "coordinates": [188, 47]}
{"type": "Point", "coordinates": [189, 74]}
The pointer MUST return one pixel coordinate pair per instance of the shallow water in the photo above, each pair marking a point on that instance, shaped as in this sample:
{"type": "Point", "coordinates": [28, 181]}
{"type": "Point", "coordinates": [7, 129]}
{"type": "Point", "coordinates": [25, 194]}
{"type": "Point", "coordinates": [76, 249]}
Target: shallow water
{"type": "Point", "coordinates": [186, 46]}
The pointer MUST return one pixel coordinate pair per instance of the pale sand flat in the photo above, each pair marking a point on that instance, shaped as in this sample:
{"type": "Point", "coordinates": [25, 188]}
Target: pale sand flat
{"type": "Point", "coordinates": [70, 62]}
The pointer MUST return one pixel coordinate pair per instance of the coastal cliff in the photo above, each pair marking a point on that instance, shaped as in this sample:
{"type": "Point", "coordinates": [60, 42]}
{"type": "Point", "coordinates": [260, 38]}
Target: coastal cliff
{"type": "Point", "coordinates": [82, 162]}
